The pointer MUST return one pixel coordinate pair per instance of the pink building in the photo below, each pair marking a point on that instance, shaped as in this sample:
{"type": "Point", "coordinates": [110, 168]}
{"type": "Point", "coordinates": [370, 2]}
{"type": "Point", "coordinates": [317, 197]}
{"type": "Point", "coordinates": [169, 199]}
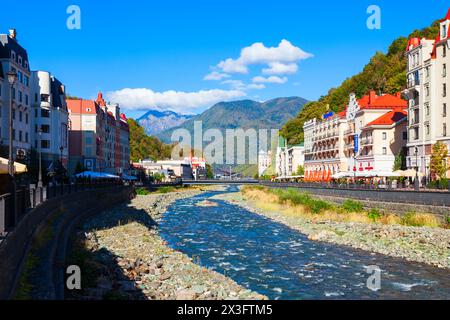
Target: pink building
{"type": "Point", "coordinates": [98, 136]}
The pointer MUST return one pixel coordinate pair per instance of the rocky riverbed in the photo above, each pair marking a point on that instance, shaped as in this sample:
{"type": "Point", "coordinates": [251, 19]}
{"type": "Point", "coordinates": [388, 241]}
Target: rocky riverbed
{"type": "Point", "coordinates": [125, 258]}
{"type": "Point", "coordinates": [418, 244]}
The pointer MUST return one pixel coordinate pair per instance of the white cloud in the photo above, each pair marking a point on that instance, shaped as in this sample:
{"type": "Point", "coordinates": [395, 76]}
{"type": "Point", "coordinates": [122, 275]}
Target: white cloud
{"type": "Point", "coordinates": [184, 102]}
{"type": "Point", "coordinates": [271, 79]}
{"type": "Point", "coordinates": [216, 76]}
{"type": "Point", "coordinates": [240, 85]}
{"type": "Point", "coordinates": [281, 68]}
{"type": "Point", "coordinates": [258, 53]}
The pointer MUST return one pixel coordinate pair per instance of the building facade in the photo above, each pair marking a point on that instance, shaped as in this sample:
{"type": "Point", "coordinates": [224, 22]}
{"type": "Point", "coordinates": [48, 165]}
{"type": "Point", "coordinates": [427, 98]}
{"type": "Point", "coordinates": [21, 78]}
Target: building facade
{"type": "Point", "coordinates": [289, 158]}
{"type": "Point", "coordinates": [13, 57]}
{"type": "Point", "coordinates": [98, 136]}
{"type": "Point", "coordinates": [264, 161]}
{"type": "Point", "coordinates": [429, 100]}
{"type": "Point", "coordinates": [359, 139]}
{"type": "Point", "coordinates": [50, 118]}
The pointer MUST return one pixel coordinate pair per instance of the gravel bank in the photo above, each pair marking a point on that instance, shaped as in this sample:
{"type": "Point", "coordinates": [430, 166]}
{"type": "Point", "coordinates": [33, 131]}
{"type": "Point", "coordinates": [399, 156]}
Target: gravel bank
{"type": "Point", "coordinates": [131, 261]}
{"type": "Point", "coordinates": [425, 245]}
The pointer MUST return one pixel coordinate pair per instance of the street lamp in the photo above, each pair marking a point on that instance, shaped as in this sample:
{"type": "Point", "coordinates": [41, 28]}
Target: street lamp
{"type": "Point", "coordinates": [416, 182]}
{"type": "Point", "coordinates": [12, 78]}
{"type": "Point", "coordinates": [40, 184]}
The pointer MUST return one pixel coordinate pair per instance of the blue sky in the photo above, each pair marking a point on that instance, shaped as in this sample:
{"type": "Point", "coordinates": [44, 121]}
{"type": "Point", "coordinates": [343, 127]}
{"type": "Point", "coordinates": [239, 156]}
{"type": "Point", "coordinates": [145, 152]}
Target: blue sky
{"type": "Point", "coordinates": [166, 48]}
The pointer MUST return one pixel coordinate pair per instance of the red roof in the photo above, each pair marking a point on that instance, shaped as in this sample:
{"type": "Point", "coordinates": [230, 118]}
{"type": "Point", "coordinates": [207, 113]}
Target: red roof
{"type": "Point", "coordinates": [81, 106]}
{"type": "Point", "coordinates": [389, 118]}
{"type": "Point", "coordinates": [414, 42]}
{"type": "Point", "coordinates": [447, 17]}
{"type": "Point", "coordinates": [386, 101]}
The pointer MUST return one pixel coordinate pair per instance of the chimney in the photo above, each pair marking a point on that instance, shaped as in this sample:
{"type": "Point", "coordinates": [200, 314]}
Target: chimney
{"type": "Point", "coordinates": [13, 34]}
{"type": "Point", "coordinates": [372, 97]}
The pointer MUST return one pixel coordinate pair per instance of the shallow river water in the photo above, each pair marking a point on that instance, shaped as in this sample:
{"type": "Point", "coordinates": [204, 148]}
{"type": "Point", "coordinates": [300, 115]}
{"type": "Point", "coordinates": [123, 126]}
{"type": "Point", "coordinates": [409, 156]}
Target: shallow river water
{"type": "Point", "coordinates": [281, 263]}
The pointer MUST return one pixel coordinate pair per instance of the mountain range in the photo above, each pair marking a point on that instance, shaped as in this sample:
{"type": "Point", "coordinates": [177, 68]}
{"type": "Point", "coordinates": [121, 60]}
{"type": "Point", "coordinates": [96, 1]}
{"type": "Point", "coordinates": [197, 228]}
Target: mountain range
{"type": "Point", "coordinates": [245, 114]}
{"type": "Point", "coordinates": [155, 121]}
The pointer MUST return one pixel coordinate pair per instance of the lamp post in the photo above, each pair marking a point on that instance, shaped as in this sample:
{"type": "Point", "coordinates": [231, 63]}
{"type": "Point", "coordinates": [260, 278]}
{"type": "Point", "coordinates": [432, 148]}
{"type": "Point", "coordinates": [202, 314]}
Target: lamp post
{"type": "Point", "coordinates": [40, 184]}
{"type": "Point", "coordinates": [12, 78]}
{"type": "Point", "coordinates": [416, 182]}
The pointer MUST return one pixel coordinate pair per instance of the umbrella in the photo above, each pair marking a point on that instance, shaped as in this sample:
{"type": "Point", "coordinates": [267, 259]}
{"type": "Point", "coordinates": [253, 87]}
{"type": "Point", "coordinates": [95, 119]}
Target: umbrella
{"type": "Point", "coordinates": [18, 167]}
{"type": "Point", "coordinates": [411, 173]}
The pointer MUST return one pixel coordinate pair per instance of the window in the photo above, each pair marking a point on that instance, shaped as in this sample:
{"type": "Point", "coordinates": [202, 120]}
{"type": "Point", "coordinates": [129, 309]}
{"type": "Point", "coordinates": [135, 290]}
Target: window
{"type": "Point", "coordinates": [20, 136]}
{"type": "Point", "coordinates": [20, 116]}
{"type": "Point", "coordinates": [427, 109]}
{"type": "Point", "coordinates": [26, 118]}
{"type": "Point", "coordinates": [45, 113]}
{"type": "Point", "coordinates": [416, 133]}
{"type": "Point", "coordinates": [384, 151]}
{"type": "Point", "coordinates": [427, 90]}
{"type": "Point", "coordinates": [427, 128]}
{"type": "Point", "coordinates": [19, 76]}
{"type": "Point", "coordinates": [26, 137]}
{"type": "Point", "coordinates": [14, 114]}
{"type": "Point", "coordinates": [26, 99]}
{"type": "Point", "coordinates": [384, 136]}
{"type": "Point", "coordinates": [45, 128]}
{"type": "Point", "coordinates": [20, 96]}
{"type": "Point", "coordinates": [45, 144]}
{"type": "Point", "coordinates": [44, 97]}
{"type": "Point", "coordinates": [444, 90]}
{"type": "Point", "coordinates": [444, 51]}
{"type": "Point", "coordinates": [444, 70]}
{"type": "Point", "coordinates": [26, 81]}
{"type": "Point", "coordinates": [444, 130]}
{"type": "Point", "coordinates": [405, 135]}
{"type": "Point", "coordinates": [444, 110]}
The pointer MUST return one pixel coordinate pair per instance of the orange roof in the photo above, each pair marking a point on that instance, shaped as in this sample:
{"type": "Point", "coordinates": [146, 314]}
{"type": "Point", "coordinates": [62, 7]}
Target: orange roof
{"type": "Point", "coordinates": [389, 118]}
{"type": "Point", "coordinates": [386, 101]}
{"type": "Point", "coordinates": [414, 42]}
{"type": "Point", "coordinates": [81, 106]}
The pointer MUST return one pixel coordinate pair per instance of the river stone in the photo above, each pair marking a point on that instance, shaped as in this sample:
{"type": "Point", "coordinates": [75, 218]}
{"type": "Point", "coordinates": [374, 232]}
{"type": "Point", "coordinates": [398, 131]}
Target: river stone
{"type": "Point", "coordinates": [185, 295]}
{"type": "Point", "coordinates": [198, 289]}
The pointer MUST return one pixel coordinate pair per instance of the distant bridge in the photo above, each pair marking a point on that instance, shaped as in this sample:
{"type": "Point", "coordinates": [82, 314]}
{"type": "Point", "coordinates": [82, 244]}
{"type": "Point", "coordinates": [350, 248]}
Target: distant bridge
{"type": "Point", "coordinates": [220, 182]}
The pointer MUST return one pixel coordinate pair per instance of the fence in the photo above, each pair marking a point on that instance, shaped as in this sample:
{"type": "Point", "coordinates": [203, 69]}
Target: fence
{"type": "Point", "coordinates": [14, 207]}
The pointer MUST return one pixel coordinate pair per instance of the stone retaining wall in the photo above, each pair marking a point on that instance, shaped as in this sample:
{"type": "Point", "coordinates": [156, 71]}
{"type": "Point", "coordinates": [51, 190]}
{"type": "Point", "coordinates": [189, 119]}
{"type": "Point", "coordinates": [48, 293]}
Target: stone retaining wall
{"type": "Point", "coordinates": [14, 249]}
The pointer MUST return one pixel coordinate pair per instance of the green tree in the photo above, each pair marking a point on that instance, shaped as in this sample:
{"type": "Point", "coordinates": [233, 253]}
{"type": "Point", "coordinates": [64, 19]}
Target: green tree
{"type": "Point", "coordinates": [400, 160]}
{"type": "Point", "coordinates": [143, 146]}
{"type": "Point", "coordinates": [209, 172]}
{"type": "Point", "coordinates": [439, 160]}
{"type": "Point", "coordinates": [300, 171]}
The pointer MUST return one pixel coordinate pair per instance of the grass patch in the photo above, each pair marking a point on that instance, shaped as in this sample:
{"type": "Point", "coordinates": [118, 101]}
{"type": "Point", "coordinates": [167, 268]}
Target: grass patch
{"type": "Point", "coordinates": [350, 206]}
{"type": "Point", "coordinates": [142, 192]}
{"type": "Point", "coordinates": [413, 219]}
{"type": "Point", "coordinates": [291, 202]}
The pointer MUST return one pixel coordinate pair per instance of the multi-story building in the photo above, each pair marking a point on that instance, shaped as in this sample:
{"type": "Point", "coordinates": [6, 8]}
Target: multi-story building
{"type": "Point", "coordinates": [49, 118]}
{"type": "Point", "coordinates": [359, 139]}
{"type": "Point", "coordinates": [264, 161]}
{"type": "Point", "coordinates": [13, 57]}
{"type": "Point", "coordinates": [289, 158]}
{"type": "Point", "coordinates": [98, 136]}
{"type": "Point", "coordinates": [429, 100]}
{"type": "Point", "coordinates": [325, 146]}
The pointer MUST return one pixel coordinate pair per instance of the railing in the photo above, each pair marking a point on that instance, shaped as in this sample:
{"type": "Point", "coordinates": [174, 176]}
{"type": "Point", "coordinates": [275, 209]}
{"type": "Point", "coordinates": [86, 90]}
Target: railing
{"type": "Point", "coordinates": [13, 207]}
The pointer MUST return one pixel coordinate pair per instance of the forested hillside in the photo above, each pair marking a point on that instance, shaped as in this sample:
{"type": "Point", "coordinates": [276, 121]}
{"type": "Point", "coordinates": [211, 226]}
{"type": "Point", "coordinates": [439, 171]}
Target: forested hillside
{"type": "Point", "coordinates": [146, 147]}
{"type": "Point", "coordinates": [385, 73]}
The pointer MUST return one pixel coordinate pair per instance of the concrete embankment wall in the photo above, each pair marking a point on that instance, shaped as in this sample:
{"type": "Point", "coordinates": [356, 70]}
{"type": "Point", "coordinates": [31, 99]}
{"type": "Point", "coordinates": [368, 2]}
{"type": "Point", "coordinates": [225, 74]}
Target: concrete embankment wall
{"type": "Point", "coordinates": [399, 201]}
{"type": "Point", "coordinates": [62, 214]}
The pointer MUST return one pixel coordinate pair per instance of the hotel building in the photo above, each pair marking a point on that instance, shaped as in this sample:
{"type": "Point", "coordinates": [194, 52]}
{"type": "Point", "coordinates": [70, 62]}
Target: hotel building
{"type": "Point", "coordinates": [98, 136]}
{"type": "Point", "coordinates": [50, 118]}
{"type": "Point", "coordinates": [13, 57]}
{"type": "Point", "coordinates": [365, 137]}
{"type": "Point", "coordinates": [429, 100]}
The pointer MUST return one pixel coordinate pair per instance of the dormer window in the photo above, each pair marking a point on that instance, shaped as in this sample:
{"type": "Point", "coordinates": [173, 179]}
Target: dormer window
{"type": "Point", "coordinates": [444, 31]}
{"type": "Point", "coordinates": [13, 55]}
{"type": "Point", "coordinates": [20, 60]}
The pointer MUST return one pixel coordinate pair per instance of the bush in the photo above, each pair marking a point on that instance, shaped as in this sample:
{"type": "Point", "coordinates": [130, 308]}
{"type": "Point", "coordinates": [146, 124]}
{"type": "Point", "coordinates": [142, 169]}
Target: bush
{"type": "Point", "coordinates": [352, 206]}
{"type": "Point", "coordinates": [374, 214]}
{"type": "Point", "coordinates": [297, 198]}
{"type": "Point", "coordinates": [142, 192]}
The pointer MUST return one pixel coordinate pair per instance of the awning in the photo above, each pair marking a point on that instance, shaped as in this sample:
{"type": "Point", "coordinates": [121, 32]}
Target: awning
{"type": "Point", "coordinates": [96, 175]}
{"type": "Point", "coordinates": [18, 167]}
{"type": "Point", "coordinates": [411, 173]}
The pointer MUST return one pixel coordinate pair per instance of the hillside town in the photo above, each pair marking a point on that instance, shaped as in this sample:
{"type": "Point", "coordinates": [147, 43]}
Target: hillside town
{"type": "Point", "coordinates": [379, 135]}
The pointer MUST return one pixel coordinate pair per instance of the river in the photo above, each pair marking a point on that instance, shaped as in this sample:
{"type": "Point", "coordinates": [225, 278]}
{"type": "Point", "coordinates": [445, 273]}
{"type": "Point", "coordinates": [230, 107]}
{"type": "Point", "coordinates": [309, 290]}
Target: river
{"type": "Point", "coordinates": [281, 263]}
